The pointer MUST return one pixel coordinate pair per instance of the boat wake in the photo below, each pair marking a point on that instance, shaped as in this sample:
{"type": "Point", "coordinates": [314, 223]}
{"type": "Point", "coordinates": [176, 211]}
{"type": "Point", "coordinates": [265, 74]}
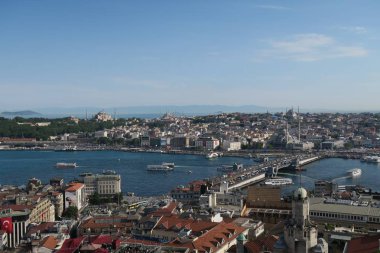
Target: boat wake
{"type": "Point", "coordinates": [194, 166]}
{"type": "Point", "coordinates": [340, 178]}
{"type": "Point", "coordinates": [297, 176]}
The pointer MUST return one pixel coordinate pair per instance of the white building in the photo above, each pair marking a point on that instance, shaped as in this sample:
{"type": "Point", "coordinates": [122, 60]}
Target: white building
{"type": "Point", "coordinates": [75, 195]}
{"type": "Point", "coordinates": [100, 134]}
{"type": "Point", "coordinates": [231, 145]}
{"type": "Point", "coordinates": [207, 143]}
{"type": "Point", "coordinates": [107, 183]}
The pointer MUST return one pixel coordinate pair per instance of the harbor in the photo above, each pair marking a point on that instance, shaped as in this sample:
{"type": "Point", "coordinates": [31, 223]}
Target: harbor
{"type": "Point", "coordinates": [133, 169]}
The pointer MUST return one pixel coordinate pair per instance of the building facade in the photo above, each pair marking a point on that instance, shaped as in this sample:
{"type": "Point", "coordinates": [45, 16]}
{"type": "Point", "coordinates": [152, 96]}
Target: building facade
{"type": "Point", "coordinates": [107, 183]}
{"type": "Point", "coordinates": [75, 195]}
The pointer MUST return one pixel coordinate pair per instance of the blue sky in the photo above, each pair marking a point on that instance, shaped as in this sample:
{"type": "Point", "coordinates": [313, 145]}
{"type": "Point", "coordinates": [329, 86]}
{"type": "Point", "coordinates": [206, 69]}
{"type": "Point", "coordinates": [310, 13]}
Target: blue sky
{"type": "Point", "coordinates": [320, 54]}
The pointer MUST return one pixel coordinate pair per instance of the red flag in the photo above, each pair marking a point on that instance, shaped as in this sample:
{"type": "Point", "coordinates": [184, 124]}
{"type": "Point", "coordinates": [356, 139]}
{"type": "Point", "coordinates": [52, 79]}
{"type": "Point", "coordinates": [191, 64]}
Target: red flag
{"type": "Point", "coordinates": [6, 224]}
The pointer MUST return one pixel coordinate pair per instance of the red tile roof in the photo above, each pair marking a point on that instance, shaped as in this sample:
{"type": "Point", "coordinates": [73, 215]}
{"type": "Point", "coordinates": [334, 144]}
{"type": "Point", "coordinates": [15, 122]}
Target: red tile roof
{"type": "Point", "coordinates": [71, 245]}
{"type": "Point", "coordinates": [220, 235]}
{"type": "Point", "coordinates": [257, 246]}
{"type": "Point", "coordinates": [49, 242]}
{"type": "Point", "coordinates": [173, 222]}
{"type": "Point", "coordinates": [43, 228]}
{"type": "Point", "coordinates": [104, 222]}
{"type": "Point", "coordinates": [100, 239]}
{"type": "Point", "coordinates": [368, 244]}
{"type": "Point", "coordinates": [16, 207]}
{"type": "Point", "coordinates": [101, 250]}
{"type": "Point", "coordinates": [165, 211]}
{"type": "Point", "coordinates": [74, 187]}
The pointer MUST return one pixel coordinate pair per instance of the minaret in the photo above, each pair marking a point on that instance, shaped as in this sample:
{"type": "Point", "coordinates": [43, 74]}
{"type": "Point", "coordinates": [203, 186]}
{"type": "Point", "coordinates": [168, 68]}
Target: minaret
{"type": "Point", "coordinates": [299, 125]}
{"type": "Point", "coordinates": [287, 133]}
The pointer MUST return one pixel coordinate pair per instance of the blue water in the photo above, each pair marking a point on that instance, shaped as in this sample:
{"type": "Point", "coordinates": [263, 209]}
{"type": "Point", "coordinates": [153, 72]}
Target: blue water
{"type": "Point", "coordinates": [335, 169]}
{"type": "Point", "coordinates": [16, 167]}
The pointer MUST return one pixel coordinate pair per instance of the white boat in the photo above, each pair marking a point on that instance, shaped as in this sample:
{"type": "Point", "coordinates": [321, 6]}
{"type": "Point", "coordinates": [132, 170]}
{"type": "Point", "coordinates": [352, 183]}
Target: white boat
{"type": "Point", "coordinates": [171, 165]}
{"type": "Point", "coordinates": [212, 155]}
{"type": "Point", "coordinates": [355, 172]}
{"type": "Point", "coordinates": [370, 159]}
{"type": "Point", "coordinates": [66, 165]}
{"type": "Point", "coordinates": [159, 168]}
{"type": "Point", "coordinates": [278, 181]}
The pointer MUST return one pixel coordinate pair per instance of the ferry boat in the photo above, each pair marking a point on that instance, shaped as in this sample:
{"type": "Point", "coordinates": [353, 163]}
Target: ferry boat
{"type": "Point", "coordinates": [213, 155]}
{"type": "Point", "coordinates": [278, 181]}
{"type": "Point", "coordinates": [171, 165]}
{"type": "Point", "coordinates": [354, 172]}
{"type": "Point", "coordinates": [66, 165]}
{"type": "Point", "coordinates": [159, 168]}
{"type": "Point", "coordinates": [370, 159]}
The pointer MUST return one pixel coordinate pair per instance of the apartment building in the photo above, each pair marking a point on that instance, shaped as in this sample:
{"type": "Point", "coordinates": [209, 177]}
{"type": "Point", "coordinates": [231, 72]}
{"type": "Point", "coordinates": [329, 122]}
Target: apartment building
{"type": "Point", "coordinates": [107, 183]}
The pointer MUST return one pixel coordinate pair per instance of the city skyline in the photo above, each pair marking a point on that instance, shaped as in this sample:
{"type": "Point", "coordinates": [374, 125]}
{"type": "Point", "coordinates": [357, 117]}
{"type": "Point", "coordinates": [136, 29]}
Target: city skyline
{"type": "Point", "coordinates": [266, 53]}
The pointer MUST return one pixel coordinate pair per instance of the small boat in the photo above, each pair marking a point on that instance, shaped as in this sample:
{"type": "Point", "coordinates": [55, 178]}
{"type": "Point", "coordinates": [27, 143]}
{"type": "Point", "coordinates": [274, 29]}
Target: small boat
{"type": "Point", "coordinates": [278, 181]}
{"type": "Point", "coordinates": [159, 168]}
{"type": "Point", "coordinates": [66, 165]}
{"type": "Point", "coordinates": [171, 165]}
{"type": "Point", "coordinates": [189, 172]}
{"type": "Point", "coordinates": [356, 172]}
{"type": "Point", "coordinates": [213, 155]}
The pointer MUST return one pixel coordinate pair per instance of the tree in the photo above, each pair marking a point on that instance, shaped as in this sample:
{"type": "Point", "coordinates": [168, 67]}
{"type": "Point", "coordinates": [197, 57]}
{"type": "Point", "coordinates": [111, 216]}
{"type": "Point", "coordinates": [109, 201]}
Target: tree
{"type": "Point", "coordinates": [71, 212]}
{"type": "Point", "coordinates": [95, 199]}
{"type": "Point", "coordinates": [118, 197]}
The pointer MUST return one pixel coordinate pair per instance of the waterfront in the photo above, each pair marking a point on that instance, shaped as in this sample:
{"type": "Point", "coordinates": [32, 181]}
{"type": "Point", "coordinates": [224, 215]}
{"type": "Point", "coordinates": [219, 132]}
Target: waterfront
{"type": "Point", "coordinates": [335, 169]}
{"type": "Point", "coordinates": [16, 167]}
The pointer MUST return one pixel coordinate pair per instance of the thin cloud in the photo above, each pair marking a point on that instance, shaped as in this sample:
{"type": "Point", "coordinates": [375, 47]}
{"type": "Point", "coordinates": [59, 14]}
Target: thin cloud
{"type": "Point", "coordinates": [354, 29]}
{"type": "Point", "coordinates": [273, 7]}
{"type": "Point", "coordinates": [311, 47]}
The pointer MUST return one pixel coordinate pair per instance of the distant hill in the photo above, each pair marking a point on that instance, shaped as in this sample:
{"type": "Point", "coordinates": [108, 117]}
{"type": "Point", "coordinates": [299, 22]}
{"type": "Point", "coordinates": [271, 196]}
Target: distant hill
{"type": "Point", "coordinates": [161, 109]}
{"type": "Point", "coordinates": [20, 113]}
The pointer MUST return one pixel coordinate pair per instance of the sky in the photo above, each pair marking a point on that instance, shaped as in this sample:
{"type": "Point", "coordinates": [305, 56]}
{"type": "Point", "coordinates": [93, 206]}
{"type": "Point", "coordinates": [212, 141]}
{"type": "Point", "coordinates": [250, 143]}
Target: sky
{"type": "Point", "coordinates": [313, 54]}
